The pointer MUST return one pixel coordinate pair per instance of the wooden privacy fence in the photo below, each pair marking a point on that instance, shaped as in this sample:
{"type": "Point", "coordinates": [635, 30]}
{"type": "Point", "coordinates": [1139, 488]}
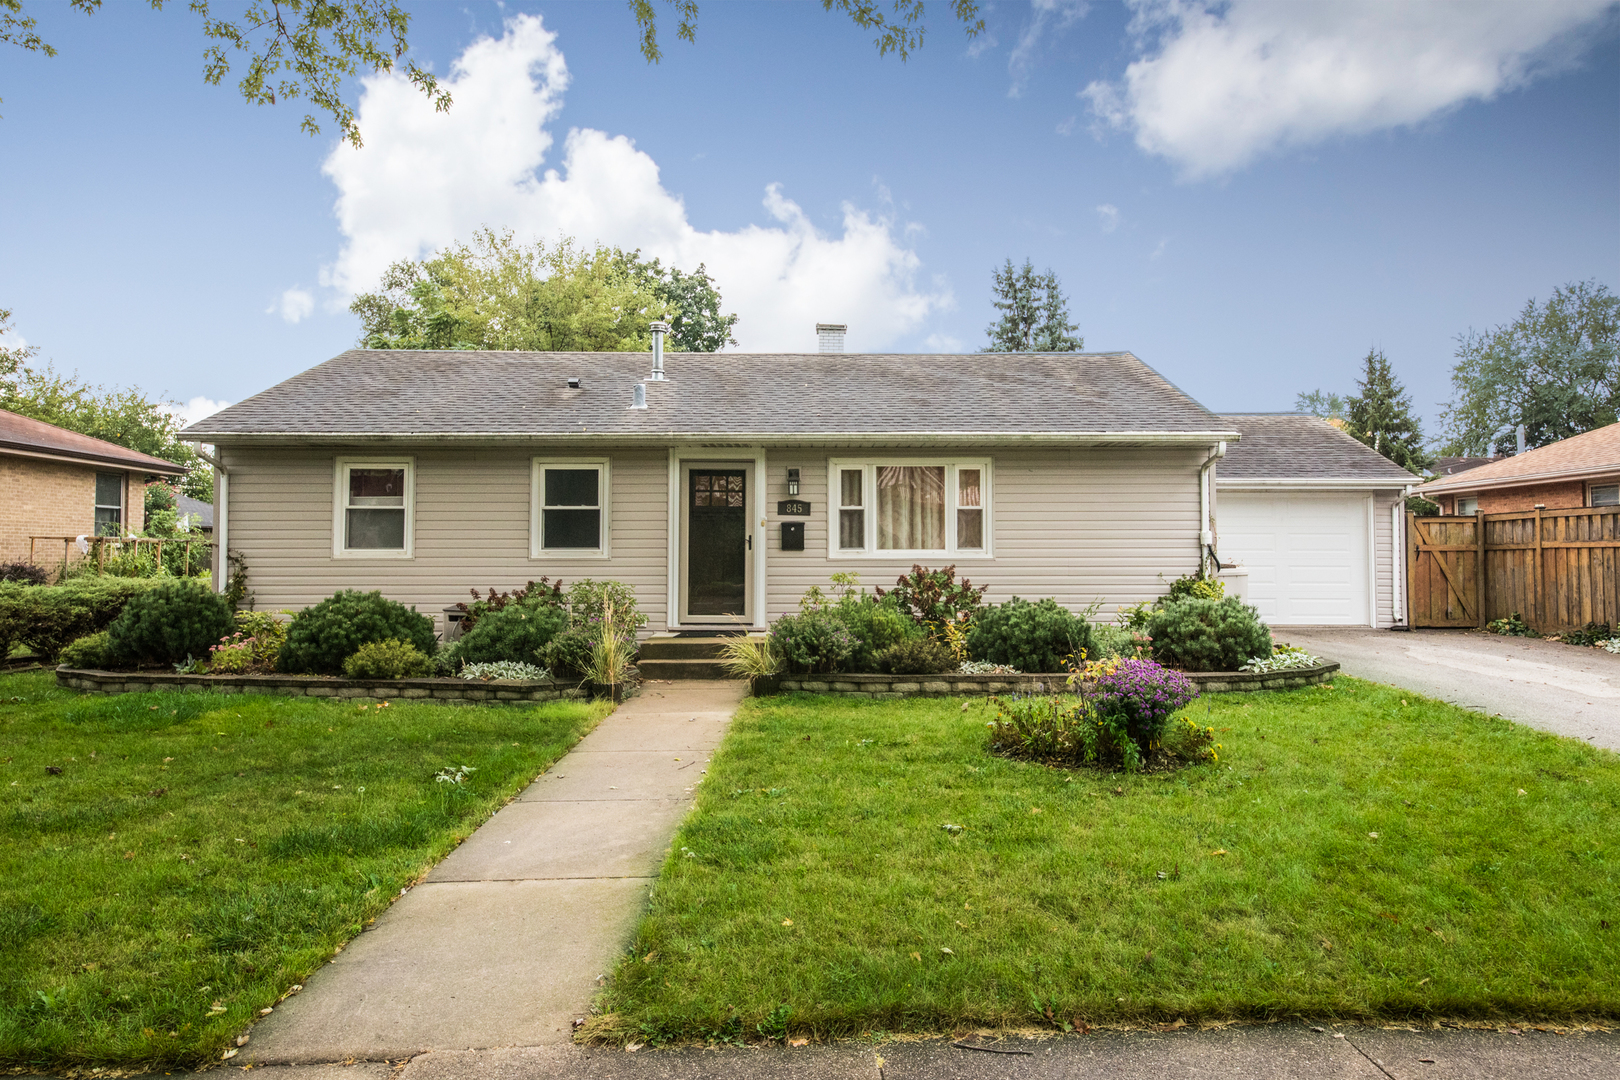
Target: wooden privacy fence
{"type": "Point", "coordinates": [1560, 569]}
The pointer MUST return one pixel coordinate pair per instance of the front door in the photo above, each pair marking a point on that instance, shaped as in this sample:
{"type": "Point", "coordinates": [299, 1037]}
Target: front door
{"type": "Point", "coordinates": [717, 545]}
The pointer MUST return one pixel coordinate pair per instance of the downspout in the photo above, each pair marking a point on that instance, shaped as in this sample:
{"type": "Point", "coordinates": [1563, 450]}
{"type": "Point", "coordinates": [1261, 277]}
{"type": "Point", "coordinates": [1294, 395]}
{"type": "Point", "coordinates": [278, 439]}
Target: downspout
{"type": "Point", "coordinates": [1397, 543]}
{"type": "Point", "coordinates": [1206, 534]}
{"type": "Point", "coordinates": [222, 493]}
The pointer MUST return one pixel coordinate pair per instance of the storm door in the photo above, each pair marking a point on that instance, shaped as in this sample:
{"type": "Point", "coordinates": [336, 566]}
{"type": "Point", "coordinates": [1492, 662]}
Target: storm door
{"type": "Point", "coordinates": [717, 544]}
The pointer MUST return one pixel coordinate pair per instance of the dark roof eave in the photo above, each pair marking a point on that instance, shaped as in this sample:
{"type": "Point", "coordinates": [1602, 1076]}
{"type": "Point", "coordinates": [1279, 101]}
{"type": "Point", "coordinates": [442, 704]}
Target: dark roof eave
{"type": "Point", "coordinates": [663, 438]}
{"type": "Point", "coordinates": [141, 463]}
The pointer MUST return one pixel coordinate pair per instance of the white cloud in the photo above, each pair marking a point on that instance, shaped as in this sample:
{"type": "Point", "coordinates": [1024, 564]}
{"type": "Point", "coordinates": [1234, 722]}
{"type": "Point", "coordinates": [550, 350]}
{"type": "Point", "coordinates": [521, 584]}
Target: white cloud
{"type": "Point", "coordinates": [295, 304]}
{"type": "Point", "coordinates": [1108, 216]}
{"type": "Point", "coordinates": [944, 344]}
{"type": "Point", "coordinates": [425, 179]}
{"type": "Point", "coordinates": [1217, 85]}
{"type": "Point", "coordinates": [198, 408]}
{"type": "Point", "coordinates": [1066, 127]}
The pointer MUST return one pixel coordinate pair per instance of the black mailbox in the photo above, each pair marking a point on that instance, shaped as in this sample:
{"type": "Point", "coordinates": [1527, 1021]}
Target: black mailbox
{"type": "Point", "coordinates": [792, 536]}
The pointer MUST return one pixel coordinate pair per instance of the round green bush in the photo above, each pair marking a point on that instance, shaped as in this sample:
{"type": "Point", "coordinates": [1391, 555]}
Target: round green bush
{"type": "Point", "coordinates": [814, 641]}
{"type": "Point", "coordinates": [1030, 637]}
{"type": "Point", "coordinates": [169, 623]}
{"type": "Point", "coordinates": [916, 656]}
{"type": "Point", "coordinates": [391, 659]}
{"type": "Point", "coordinates": [517, 632]}
{"type": "Point", "coordinates": [90, 651]}
{"type": "Point", "coordinates": [1207, 635]}
{"type": "Point", "coordinates": [320, 638]}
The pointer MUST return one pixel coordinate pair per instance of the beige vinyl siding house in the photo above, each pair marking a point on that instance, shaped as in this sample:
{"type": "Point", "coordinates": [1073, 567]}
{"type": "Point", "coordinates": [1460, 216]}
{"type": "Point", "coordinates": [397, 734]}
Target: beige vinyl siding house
{"type": "Point", "coordinates": [425, 475]}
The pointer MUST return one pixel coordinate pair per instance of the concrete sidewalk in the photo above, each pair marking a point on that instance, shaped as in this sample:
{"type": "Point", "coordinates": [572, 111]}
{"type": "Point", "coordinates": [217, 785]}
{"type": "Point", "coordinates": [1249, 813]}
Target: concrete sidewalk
{"type": "Point", "coordinates": [503, 943]}
{"type": "Point", "coordinates": [1260, 1052]}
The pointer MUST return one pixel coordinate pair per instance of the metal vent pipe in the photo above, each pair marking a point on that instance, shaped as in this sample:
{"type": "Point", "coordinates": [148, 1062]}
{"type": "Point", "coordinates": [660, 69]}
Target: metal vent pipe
{"type": "Point", "coordinates": [659, 329]}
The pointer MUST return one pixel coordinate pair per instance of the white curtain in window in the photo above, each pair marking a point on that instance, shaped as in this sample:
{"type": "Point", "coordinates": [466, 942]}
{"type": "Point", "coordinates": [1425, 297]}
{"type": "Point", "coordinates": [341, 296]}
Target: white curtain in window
{"type": "Point", "coordinates": [911, 508]}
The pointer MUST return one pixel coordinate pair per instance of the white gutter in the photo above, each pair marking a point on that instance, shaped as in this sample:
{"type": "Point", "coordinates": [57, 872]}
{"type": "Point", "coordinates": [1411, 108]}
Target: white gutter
{"type": "Point", "coordinates": [1206, 531]}
{"type": "Point", "coordinates": [746, 438]}
{"type": "Point", "coordinates": [1222, 484]}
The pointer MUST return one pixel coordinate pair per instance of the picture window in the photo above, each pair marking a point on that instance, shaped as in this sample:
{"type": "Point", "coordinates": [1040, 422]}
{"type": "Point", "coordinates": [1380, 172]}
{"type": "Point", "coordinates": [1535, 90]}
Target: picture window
{"type": "Point", "coordinates": [911, 508]}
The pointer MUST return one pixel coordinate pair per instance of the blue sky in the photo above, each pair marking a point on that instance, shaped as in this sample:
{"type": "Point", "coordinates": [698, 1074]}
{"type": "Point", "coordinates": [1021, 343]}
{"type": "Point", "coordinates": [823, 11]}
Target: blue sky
{"type": "Point", "coordinates": [1246, 196]}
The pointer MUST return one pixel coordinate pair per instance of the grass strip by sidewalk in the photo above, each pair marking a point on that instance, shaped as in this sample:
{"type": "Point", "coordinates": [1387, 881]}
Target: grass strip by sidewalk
{"type": "Point", "coordinates": [198, 854]}
{"type": "Point", "coordinates": [1358, 852]}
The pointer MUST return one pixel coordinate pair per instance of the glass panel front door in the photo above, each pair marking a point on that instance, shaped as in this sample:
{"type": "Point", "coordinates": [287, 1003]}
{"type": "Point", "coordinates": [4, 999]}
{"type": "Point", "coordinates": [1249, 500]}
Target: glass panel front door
{"type": "Point", "coordinates": [717, 543]}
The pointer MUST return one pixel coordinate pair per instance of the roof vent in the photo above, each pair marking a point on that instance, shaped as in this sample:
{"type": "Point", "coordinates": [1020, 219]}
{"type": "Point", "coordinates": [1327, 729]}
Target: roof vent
{"type": "Point", "coordinates": [659, 329]}
{"type": "Point", "coordinates": [1518, 438]}
{"type": "Point", "coordinates": [573, 384]}
{"type": "Point", "coordinates": [830, 336]}
{"type": "Point", "coordinates": [638, 396]}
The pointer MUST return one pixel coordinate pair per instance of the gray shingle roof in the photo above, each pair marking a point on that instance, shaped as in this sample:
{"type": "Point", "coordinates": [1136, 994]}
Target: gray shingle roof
{"type": "Point", "coordinates": [1293, 446]}
{"type": "Point", "coordinates": [513, 394]}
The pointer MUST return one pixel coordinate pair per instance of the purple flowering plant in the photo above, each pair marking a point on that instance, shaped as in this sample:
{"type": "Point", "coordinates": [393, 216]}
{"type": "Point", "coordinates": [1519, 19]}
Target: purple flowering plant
{"type": "Point", "coordinates": [1144, 695]}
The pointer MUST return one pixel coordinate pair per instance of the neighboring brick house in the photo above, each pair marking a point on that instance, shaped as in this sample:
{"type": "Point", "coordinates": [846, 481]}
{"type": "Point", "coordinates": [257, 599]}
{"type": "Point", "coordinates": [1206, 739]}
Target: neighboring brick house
{"type": "Point", "coordinates": [1583, 470]}
{"type": "Point", "coordinates": [58, 483]}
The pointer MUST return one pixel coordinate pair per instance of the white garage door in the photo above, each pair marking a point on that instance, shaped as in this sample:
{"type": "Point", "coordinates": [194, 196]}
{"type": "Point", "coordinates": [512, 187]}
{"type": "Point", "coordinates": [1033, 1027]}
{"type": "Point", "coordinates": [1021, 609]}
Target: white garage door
{"type": "Point", "coordinates": [1306, 554]}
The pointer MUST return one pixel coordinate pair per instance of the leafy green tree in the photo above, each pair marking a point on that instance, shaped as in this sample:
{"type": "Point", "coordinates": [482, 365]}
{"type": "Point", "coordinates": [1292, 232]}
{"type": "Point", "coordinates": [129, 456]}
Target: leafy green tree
{"type": "Point", "coordinates": [295, 49]}
{"type": "Point", "coordinates": [495, 293]}
{"type": "Point", "coordinates": [1555, 369]}
{"type": "Point", "coordinates": [1379, 414]}
{"type": "Point", "coordinates": [900, 33]}
{"type": "Point", "coordinates": [1323, 403]}
{"type": "Point", "coordinates": [1034, 313]}
{"type": "Point", "coordinates": [13, 358]}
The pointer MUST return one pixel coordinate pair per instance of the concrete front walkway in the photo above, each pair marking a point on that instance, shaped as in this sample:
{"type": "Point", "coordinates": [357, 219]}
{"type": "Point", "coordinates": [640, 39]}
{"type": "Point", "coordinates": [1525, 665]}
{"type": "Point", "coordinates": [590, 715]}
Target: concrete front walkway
{"type": "Point", "coordinates": [503, 944]}
{"type": "Point", "coordinates": [1564, 689]}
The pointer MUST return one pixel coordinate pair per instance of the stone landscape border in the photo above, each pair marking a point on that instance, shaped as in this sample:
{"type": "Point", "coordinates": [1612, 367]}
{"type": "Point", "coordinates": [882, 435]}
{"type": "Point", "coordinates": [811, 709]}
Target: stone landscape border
{"type": "Point", "coordinates": [445, 691]}
{"type": "Point", "coordinates": [901, 686]}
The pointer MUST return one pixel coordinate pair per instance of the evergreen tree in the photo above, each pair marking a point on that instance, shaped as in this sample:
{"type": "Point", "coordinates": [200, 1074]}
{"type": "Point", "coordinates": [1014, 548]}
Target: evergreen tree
{"type": "Point", "coordinates": [1034, 313]}
{"type": "Point", "coordinates": [1380, 415]}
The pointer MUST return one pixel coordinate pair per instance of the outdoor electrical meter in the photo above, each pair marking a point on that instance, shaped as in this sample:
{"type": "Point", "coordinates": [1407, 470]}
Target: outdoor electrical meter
{"type": "Point", "coordinates": [792, 536]}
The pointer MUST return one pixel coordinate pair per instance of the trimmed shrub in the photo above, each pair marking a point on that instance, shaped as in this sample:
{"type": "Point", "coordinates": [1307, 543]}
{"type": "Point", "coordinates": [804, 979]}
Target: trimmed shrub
{"type": "Point", "coordinates": [1208, 635]}
{"type": "Point", "coordinates": [391, 659]}
{"type": "Point", "coordinates": [569, 654]}
{"type": "Point", "coordinates": [1030, 637]}
{"type": "Point", "coordinates": [320, 638]}
{"type": "Point", "coordinates": [179, 618]}
{"type": "Point", "coordinates": [46, 618]}
{"type": "Point", "coordinates": [878, 625]}
{"type": "Point", "coordinates": [23, 573]}
{"type": "Point", "coordinates": [90, 651]}
{"type": "Point", "coordinates": [815, 642]}
{"type": "Point", "coordinates": [916, 656]}
{"type": "Point", "coordinates": [515, 632]}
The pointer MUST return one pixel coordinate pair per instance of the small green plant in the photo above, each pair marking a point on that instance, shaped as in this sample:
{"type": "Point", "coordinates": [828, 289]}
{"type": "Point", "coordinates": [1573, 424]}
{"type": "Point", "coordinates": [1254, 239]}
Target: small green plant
{"type": "Point", "coordinates": [1512, 626]}
{"type": "Point", "coordinates": [749, 657]}
{"type": "Point", "coordinates": [1593, 633]}
{"type": "Point", "coordinates": [176, 620]}
{"type": "Point", "coordinates": [320, 638]}
{"type": "Point", "coordinates": [454, 775]}
{"type": "Point", "coordinates": [1109, 640]}
{"type": "Point", "coordinates": [775, 1024]}
{"type": "Point", "coordinates": [90, 651]}
{"type": "Point", "coordinates": [1283, 658]}
{"type": "Point", "coordinates": [1208, 635]}
{"type": "Point", "coordinates": [569, 653]}
{"type": "Point", "coordinates": [505, 669]}
{"type": "Point", "coordinates": [542, 593]}
{"type": "Point", "coordinates": [917, 656]}
{"type": "Point", "coordinates": [814, 642]}
{"type": "Point", "coordinates": [390, 659]}
{"type": "Point", "coordinates": [24, 573]}
{"type": "Point", "coordinates": [1193, 587]}
{"type": "Point", "coordinates": [1028, 636]}
{"type": "Point", "coordinates": [589, 600]}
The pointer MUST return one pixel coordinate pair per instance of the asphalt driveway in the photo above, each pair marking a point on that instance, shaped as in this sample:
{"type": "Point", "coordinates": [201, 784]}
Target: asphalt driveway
{"type": "Point", "coordinates": [1565, 689]}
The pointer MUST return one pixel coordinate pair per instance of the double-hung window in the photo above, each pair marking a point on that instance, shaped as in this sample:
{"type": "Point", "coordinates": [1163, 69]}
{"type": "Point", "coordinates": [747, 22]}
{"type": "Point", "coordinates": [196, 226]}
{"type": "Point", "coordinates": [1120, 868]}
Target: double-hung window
{"type": "Point", "coordinates": [1604, 495]}
{"type": "Point", "coordinates": [570, 508]}
{"type": "Point", "coordinates": [908, 508]}
{"type": "Point", "coordinates": [109, 503]}
{"type": "Point", "coordinates": [375, 506]}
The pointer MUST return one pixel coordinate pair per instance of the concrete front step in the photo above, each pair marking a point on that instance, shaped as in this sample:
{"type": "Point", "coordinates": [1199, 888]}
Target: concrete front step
{"type": "Point", "coordinates": [670, 647]}
{"type": "Point", "coordinates": [699, 667]}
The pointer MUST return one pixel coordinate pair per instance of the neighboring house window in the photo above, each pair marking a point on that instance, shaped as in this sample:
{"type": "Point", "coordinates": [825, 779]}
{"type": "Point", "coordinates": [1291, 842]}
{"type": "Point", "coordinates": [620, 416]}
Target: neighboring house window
{"type": "Point", "coordinates": [374, 507]}
{"type": "Point", "coordinates": [570, 508]}
{"type": "Point", "coordinates": [109, 503]}
{"type": "Point", "coordinates": [1467, 504]}
{"type": "Point", "coordinates": [1605, 495]}
{"type": "Point", "coordinates": [911, 507]}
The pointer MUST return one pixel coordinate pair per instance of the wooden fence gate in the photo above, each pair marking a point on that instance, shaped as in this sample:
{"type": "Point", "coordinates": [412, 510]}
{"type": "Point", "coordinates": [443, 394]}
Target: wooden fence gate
{"type": "Point", "coordinates": [1560, 569]}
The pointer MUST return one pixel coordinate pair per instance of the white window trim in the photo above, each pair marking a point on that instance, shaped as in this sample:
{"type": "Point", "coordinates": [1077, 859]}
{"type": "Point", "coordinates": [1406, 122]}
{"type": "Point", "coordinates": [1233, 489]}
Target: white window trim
{"type": "Point", "coordinates": [537, 493]}
{"type": "Point", "coordinates": [869, 467]}
{"type": "Point", "coordinates": [340, 499]}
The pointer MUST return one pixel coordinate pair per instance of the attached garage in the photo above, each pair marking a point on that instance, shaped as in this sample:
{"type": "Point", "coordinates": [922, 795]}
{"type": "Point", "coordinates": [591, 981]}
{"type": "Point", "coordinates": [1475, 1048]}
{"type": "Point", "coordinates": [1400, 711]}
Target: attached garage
{"type": "Point", "coordinates": [1315, 518]}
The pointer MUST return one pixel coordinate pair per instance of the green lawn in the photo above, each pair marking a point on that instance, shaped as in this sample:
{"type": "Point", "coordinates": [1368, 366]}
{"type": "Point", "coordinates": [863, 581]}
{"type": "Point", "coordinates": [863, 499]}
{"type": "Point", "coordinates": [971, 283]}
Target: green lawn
{"type": "Point", "coordinates": [1358, 852]}
{"type": "Point", "coordinates": [199, 854]}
